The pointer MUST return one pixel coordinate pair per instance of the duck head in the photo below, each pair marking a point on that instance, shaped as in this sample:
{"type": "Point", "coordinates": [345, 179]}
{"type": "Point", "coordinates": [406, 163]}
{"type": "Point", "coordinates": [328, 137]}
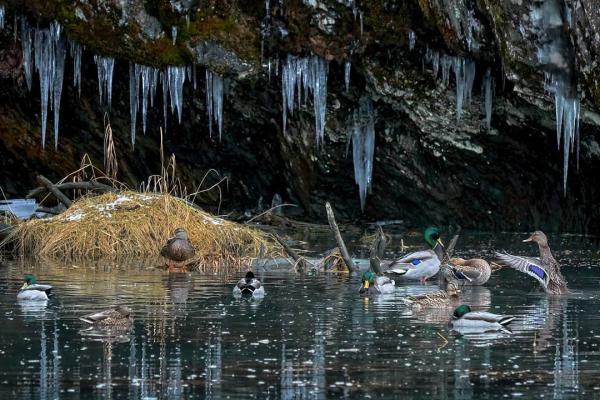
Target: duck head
{"type": "Point", "coordinates": [432, 237]}
{"type": "Point", "coordinates": [539, 237]}
{"type": "Point", "coordinates": [29, 279]}
{"type": "Point", "coordinates": [368, 280]}
{"type": "Point", "coordinates": [457, 261]}
{"type": "Point", "coordinates": [452, 289]}
{"type": "Point", "coordinates": [180, 233]}
{"type": "Point", "coordinates": [461, 310]}
{"type": "Point", "coordinates": [249, 276]}
{"type": "Point", "coordinates": [124, 311]}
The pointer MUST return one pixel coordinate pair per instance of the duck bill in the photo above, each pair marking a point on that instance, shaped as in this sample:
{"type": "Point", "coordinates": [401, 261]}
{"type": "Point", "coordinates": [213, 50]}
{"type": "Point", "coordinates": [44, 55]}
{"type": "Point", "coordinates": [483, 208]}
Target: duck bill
{"type": "Point", "coordinates": [365, 285]}
{"type": "Point", "coordinates": [439, 241]}
{"type": "Point", "coordinates": [24, 286]}
{"type": "Point", "coordinates": [529, 239]}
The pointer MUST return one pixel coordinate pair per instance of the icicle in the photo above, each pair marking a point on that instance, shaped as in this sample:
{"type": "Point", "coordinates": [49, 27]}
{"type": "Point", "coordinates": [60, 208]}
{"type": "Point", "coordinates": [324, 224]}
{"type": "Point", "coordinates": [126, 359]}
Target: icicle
{"type": "Point", "coordinates": [464, 73]}
{"type": "Point", "coordinates": [165, 93]}
{"type": "Point", "coordinates": [176, 78]}
{"type": "Point", "coordinates": [2, 14]}
{"type": "Point", "coordinates": [15, 29]}
{"type": "Point", "coordinates": [214, 100]}
{"type": "Point", "coordinates": [133, 98]}
{"type": "Point", "coordinates": [412, 39]}
{"type": "Point", "coordinates": [360, 17]}
{"type": "Point", "coordinates": [60, 48]}
{"type": "Point", "coordinates": [75, 52]}
{"type": "Point", "coordinates": [362, 133]}
{"type": "Point", "coordinates": [347, 68]}
{"type": "Point", "coordinates": [305, 76]}
{"type": "Point", "coordinates": [194, 75]}
{"type": "Point", "coordinates": [446, 64]}
{"type": "Point", "coordinates": [567, 108]}
{"type": "Point", "coordinates": [487, 88]}
{"type": "Point", "coordinates": [44, 62]}
{"type": "Point", "coordinates": [174, 34]}
{"type": "Point", "coordinates": [105, 67]}
{"type": "Point", "coordinates": [26, 45]}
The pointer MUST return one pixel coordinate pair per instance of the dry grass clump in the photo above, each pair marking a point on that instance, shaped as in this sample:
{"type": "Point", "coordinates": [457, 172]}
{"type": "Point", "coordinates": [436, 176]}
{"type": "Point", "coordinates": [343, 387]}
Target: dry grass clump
{"type": "Point", "coordinates": [133, 224]}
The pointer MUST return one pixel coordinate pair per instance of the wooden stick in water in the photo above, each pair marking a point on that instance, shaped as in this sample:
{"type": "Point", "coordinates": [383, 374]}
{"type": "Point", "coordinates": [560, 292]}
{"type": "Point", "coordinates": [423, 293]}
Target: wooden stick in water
{"type": "Point", "coordinates": [352, 267]}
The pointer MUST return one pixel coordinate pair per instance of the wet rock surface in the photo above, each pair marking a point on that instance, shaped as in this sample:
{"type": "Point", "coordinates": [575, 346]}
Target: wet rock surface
{"type": "Point", "coordinates": [429, 167]}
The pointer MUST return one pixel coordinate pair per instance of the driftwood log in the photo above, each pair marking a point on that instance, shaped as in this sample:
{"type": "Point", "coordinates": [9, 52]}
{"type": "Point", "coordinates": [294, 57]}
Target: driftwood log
{"type": "Point", "coordinates": [60, 196]}
{"type": "Point", "coordinates": [300, 261]}
{"type": "Point", "coordinates": [92, 186]}
{"type": "Point", "coordinates": [352, 267]}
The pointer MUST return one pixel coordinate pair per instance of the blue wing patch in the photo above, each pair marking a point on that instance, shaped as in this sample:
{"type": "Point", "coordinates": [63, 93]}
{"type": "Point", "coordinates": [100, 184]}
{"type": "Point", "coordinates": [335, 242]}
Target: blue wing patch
{"type": "Point", "coordinates": [537, 271]}
{"type": "Point", "coordinates": [459, 275]}
{"type": "Point", "coordinates": [416, 261]}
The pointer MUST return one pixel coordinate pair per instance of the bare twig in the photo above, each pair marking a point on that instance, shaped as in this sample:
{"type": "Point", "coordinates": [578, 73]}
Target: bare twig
{"type": "Point", "coordinates": [111, 167]}
{"type": "Point", "coordinates": [92, 185]}
{"type": "Point", "coordinates": [340, 241]}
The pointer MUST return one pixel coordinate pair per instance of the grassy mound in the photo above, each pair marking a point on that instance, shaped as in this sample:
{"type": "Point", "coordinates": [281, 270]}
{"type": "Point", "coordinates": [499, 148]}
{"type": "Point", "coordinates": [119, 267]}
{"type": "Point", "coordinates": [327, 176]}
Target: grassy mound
{"type": "Point", "coordinates": [131, 224]}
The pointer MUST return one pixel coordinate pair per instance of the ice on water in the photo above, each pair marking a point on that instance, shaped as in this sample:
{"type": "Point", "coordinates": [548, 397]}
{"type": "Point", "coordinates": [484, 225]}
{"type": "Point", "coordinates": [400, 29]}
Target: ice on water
{"type": "Point", "coordinates": [302, 77]}
{"type": "Point", "coordinates": [361, 131]}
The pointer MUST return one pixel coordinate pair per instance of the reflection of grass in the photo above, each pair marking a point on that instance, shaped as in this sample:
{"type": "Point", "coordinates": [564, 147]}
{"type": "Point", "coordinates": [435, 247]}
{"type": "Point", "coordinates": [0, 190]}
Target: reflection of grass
{"type": "Point", "coordinates": [131, 224]}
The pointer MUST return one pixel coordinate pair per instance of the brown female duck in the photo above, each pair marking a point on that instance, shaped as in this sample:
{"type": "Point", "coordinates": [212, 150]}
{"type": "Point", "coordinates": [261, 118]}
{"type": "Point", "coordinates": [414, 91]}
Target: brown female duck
{"type": "Point", "coordinates": [177, 250]}
{"type": "Point", "coordinates": [474, 271]}
{"type": "Point", "coordinates": [544, 269]}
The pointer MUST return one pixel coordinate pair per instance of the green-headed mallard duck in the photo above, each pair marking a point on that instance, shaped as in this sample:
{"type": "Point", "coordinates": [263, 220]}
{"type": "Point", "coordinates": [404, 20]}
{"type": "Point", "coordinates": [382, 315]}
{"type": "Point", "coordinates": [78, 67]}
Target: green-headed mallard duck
{"type": "Point", "coordinates": [373, 284]}
{"type": "Point", "coordinates": [544, 269]}
{"type": "Point", "coordinates": [118, 317]}
{"type": "Point", "coordinates": [441, 298]}
{"type": "Point", "coordinates": [475, 271]}
{"type": "Point", "coordinates": [178, 249]}
{"type": "Point", "coordinates": [31, 290]}
{"type": "Point", "coordinates": [250, 286]}
{"type": "Point", "coordinates": [421, 265]}
{"type": "Point", "coordinates": [478, 321]}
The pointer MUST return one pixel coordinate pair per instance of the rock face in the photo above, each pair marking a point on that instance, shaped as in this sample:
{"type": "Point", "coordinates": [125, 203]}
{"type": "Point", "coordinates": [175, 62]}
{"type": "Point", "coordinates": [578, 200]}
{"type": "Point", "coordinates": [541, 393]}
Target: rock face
{"type": "Point", "coordinates": [430, 165]}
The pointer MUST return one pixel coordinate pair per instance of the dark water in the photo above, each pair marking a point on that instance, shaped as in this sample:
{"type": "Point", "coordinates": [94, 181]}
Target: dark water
{"type": "Point", "coordinates": [310, 337]}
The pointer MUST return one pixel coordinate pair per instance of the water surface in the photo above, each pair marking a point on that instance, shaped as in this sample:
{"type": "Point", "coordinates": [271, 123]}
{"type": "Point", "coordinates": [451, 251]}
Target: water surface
{"type": "Point", "coordinates": [312, 336]}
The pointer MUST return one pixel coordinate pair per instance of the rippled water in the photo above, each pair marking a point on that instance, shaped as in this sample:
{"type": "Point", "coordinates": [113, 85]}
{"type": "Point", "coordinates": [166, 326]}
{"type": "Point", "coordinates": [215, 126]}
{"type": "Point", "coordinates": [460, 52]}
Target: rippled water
{"type": "Point", "coordinates": [310, 337]}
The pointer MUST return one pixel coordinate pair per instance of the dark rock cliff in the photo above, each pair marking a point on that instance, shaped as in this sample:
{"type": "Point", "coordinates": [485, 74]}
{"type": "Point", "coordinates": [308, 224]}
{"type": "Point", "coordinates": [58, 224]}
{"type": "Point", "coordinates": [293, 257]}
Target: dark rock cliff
{"type": "Point", "coordinates": [428, 166]}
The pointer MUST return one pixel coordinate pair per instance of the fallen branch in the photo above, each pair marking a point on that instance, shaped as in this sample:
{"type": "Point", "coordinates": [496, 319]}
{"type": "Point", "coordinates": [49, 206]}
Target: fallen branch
{"type": "Point", "coordinates": [340, 241]}
{"type": "Point", "coordinates": [94, 186]}
{"type": "Point", "coordinates": [300, 261]}
{"type": "Point", "coordinates": [60, 196]}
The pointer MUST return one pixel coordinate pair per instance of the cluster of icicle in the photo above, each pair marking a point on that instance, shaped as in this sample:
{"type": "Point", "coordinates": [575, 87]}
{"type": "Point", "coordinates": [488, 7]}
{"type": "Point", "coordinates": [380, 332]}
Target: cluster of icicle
{"type": "Point", "coordinates": [45, 49]}
{"type": "Point", "coordinates": [361, 131]}
{"type": "Point", "coordinates": [2, 14]}
{"type": "Point", "coordinates": [144, 81]}
{"type": "Point", "coordinates": [464, 76]}
{"type": "Point", "coordinates": [301, 77]}
{"type": "Point", "coordinates": [567, 108]}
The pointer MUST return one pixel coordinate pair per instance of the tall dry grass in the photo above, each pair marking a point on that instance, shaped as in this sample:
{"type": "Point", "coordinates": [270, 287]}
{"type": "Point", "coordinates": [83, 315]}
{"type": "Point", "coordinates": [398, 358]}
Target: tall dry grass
{"type": "Point", "coordinates": [132, 224]}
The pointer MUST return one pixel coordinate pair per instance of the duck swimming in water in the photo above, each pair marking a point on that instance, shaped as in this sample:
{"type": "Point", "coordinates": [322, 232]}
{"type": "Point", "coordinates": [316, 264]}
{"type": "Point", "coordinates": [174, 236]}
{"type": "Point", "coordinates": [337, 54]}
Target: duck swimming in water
{"type": "Point", "coordinates": [250, 286]}
{"type": "Point", "coordinates": [474, 272]}
{"type": "Point", "coordinates": [441, 298]}
{"type": "Point", "coordinates": [373, 284]}
{"type": "Point", "coordinates": [118, 317]}
{"type": "Point", "coordinates": [544, 269]}
{"type": "Point", "coordinates": [421, 265]}
{"type": "Point", "coordinates": [478, 321]}
{"type": "Point", "coordinates": [31, 290]}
